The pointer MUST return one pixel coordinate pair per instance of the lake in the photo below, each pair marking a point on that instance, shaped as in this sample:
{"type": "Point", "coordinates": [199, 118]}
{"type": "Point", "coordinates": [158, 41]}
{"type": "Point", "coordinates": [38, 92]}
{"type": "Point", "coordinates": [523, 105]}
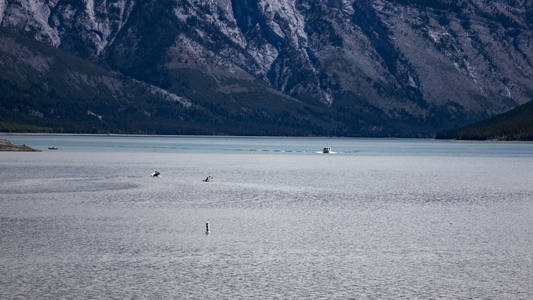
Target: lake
{"type": "Point", "coordinates": [378, 218]}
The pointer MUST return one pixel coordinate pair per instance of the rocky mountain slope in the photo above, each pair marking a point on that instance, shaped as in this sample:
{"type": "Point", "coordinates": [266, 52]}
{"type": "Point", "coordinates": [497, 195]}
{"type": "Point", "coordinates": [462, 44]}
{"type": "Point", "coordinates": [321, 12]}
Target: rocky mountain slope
{"type": "Point", "coordinates": [381, 67]}
{"type": "Point", "coordinates": [47, 89]}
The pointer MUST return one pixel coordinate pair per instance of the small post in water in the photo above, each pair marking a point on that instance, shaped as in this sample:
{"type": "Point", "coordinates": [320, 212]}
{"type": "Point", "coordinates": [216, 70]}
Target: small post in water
{"type": "Point", "coordinates": [207, 227]}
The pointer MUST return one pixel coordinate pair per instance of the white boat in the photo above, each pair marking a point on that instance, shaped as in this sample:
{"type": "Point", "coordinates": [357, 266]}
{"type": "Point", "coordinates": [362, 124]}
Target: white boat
{"type": "Point", "coordinates": [326, 150]}
{"type": "Point", "coordinates": [52, 148]}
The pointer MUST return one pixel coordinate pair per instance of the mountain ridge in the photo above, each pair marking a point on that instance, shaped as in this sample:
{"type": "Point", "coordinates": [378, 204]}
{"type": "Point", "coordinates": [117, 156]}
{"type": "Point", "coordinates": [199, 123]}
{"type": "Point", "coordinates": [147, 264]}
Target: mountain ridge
{"type": "Point", "coordinates": [45, 87]}
{"type": "Point", "coordinates": [514, 125]}
{"type": "Point", "coordinates": [380, 68]}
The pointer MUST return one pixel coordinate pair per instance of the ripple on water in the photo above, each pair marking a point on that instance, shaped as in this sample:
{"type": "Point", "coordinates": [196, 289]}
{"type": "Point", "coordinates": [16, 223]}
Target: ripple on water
{"type": "Point", "coordinates": [282, 226]}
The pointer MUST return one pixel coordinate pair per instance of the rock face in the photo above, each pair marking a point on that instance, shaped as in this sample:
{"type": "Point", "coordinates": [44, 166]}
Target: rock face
{"type": "Point", "coordinates": [45, 88]}
{"type": "Point", "coordinates": [381, 67]}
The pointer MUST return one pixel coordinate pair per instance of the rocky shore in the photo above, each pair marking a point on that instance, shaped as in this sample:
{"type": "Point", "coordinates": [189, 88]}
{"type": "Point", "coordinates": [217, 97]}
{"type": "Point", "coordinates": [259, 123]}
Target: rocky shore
{"type": "Point", "coordinates": [6, 145]}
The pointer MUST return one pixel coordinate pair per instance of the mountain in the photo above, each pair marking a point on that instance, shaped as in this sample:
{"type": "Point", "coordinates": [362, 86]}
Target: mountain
{"type": "Point", "coordinates": [57, 91]}
{"type": "Point", "coordinates": [365, 68]}
{"type": "Point", "coordinates": [516, 124]}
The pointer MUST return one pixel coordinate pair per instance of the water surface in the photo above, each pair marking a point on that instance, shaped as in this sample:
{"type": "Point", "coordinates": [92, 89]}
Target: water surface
{"type": "Point", "coordinates": [379, 219]}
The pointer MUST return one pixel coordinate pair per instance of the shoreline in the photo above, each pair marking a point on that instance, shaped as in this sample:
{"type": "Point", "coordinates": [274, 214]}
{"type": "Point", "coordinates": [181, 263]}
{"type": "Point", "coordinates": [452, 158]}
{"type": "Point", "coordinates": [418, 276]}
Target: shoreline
{"type": "Point", "coordinates": [205, 136]}
{"type": "Point", "coordinates": [7, 146]}
{"type": "Point", "coordinates": [256, 136]}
